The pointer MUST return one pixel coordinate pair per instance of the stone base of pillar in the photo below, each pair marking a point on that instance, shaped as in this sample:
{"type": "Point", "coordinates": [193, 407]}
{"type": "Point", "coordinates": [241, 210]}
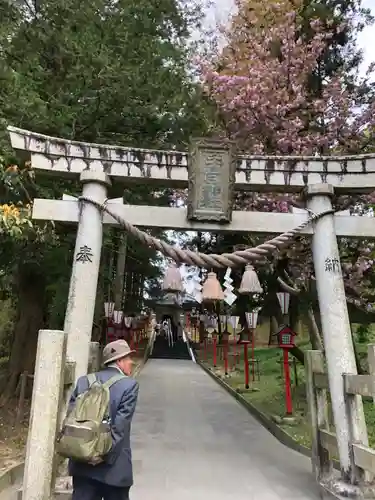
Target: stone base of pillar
{"type": "Point", "coordinates": [49, 379]}
{"type": "Point", "coordinates": [58, 495]}
{"type": "Point", "coordinates": [64, 483]}
{"type": "Point", "coordinates": [335, 488]}
{"type": "Point", "coordinates": [63, 489]}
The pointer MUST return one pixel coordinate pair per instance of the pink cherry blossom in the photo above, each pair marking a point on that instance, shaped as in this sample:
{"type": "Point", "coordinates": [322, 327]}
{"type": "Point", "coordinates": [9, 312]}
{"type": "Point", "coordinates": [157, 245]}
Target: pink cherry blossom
{"type": "Point", "coordinates": [261, 89]}
{"type": "Point", "coordinates": [259, 83]}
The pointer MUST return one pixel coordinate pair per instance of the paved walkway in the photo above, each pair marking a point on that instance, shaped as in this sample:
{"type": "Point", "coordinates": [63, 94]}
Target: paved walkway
{"type": "Point", "coordinates": [193, 441]}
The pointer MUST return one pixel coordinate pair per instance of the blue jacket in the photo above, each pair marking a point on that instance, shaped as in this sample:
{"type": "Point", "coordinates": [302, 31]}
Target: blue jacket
{"type": "Point", "coordinates": [116, 470]}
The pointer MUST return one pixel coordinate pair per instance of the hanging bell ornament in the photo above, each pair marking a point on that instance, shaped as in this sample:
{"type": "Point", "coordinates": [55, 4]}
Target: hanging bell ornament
{"type": "Point", "coordinates": [250, 282]}
{"type": "Point", "coordinates": [109, 308]}
{"type": "Point", "coordinates": [211, 290]}
{"type": "Point", "coordinates": [172, 280]}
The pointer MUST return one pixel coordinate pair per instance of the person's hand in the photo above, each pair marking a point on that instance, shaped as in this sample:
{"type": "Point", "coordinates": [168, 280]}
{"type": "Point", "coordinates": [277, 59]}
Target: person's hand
{"type": "Point", "coordinates": [96, 461]}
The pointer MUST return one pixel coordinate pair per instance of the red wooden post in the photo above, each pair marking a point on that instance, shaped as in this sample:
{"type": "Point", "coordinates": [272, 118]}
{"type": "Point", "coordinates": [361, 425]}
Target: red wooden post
{"type": "Point", "coordinates": [288, 394]}
{"type": "Point", "coordinates": [246, 362]}
{"type": "Point", "coordinates": [205, 349]}
{"type": "Point", "coordinates": [235, 353]}
{"type": "Point", "coordinates": [226, 358]}
{"type": "Point", "coordinates": [214, 350]}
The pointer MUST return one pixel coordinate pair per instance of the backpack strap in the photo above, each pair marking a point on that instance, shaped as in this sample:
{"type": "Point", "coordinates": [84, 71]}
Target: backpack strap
{"type": "Point", "coordinates": [113, 380]}
{"type": "Point", "coordinates": [91, 378]}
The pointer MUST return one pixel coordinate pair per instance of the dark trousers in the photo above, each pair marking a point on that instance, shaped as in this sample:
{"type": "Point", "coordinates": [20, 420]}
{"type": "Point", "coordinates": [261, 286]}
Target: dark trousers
{"type": "Point", "coordinates": [85, 488]}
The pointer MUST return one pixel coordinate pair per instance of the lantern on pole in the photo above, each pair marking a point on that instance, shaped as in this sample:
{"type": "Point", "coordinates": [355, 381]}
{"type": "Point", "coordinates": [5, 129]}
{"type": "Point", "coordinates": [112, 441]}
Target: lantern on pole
{"type": "Point", "coordinates": [286, 342]}
{"type": "Point", "coordinates": [233, 320]}
{"type": "Point", "coordinates": [212, 292]}
{"type": "Point", "coordinates": [128, 328]}
{"type": "Point", "coordinates": [224, 319]}
{"type": "Point", "coordinates": [284, 300]}
{"type": "Point", "coordinates": [245, 344]}
{"type": "Point", "coordinates": [117, 317]}
{"type": "Point", "coordinates": [109, 308]}
{"type": "Point", "coordinates": [194, 321]}
{"type": "Point", "coordinates": [252, 320]}
{"type": "Point", "coordinates": [211, 327]}
{"type": "Point", "coordinates": [118, 324]}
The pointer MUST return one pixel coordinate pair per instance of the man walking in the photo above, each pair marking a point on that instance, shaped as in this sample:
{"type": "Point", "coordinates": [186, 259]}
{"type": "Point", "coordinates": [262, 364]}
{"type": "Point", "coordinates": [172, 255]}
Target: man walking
{"type": "Point", "coordinates": [109, 477]}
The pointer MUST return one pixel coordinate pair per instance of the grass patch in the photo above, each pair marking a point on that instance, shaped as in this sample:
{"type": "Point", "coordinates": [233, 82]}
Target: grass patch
{"type": "Point", "coordinates": [269, 393]}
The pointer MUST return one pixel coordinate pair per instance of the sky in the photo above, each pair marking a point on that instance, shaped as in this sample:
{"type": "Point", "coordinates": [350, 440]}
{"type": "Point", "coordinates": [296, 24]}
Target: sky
{"type": "Point", "coordinates": [367, 38]}
{"type": "Point", "coordinates": [220, 11]}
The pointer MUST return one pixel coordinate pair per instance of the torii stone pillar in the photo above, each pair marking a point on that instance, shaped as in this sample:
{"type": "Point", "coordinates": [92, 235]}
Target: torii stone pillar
{"type": "Point", "coordinates": [349, 422]}
{"type": "Point", "coordinates": [84, 279]}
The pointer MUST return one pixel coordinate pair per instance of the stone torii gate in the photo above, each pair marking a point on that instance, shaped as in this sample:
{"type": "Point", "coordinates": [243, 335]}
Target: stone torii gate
{"type": "Point", "coordinates": [212, 172]}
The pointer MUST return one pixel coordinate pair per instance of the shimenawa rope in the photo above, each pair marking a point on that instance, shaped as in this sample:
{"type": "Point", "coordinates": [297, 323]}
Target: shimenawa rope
{"type": "Point", "coordinates": [235, 259]}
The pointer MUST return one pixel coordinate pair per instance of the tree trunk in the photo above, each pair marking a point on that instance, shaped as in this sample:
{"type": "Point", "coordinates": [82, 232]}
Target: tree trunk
{"type": "Point", "coordinates": [30, 319]}
{"type": "Point", "coordinates": [298, 354]}
{"type": "Point", "coordinates": [120, 274]}
{"type": "Point", "coordinates": [314, 333]}
{"type": "Point", "coordinates": [318, 320]}
{"type": "Point", "coordinates": [360, 370]}
{"type": "Point", "coordinates": [99, 311]}
{"type": "Point", "coordinates": [294, 318]}
{"type": "Point", "coordinates": [128, 307]}
{"type": "Point", "coordinates": [137, 284]}
{"type": "Point", "coordinates": [273, 330]}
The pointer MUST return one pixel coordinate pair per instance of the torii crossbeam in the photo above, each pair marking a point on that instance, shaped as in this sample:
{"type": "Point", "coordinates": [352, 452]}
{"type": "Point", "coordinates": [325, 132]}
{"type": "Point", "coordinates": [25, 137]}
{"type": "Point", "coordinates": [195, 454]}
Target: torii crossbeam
{"type": "Point", "coordinates": [68, 211]}
{"type": "Point", "coordinates": [347, 174]}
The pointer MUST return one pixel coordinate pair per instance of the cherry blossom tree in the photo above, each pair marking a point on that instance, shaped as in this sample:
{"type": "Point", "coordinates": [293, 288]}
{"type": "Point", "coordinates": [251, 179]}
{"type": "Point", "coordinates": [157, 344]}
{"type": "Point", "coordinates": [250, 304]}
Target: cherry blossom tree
{"type": "Point", "coordinates": [260, 83]}
{"type": "Point", "coordinates": [274, 95]}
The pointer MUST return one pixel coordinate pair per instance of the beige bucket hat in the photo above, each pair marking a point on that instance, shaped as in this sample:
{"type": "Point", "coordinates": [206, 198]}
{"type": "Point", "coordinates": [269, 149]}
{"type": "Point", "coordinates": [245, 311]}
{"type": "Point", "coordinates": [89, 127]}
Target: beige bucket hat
{"type": "Point", "coordinates": [116, 350]}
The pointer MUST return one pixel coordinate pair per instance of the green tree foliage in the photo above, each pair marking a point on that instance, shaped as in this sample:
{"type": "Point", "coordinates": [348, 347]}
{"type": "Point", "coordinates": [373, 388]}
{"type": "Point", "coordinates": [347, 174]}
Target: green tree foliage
{"type": "Point", "coordinates": [101, 71]}
{"type": "Point", "coordinates": [96, 70]}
